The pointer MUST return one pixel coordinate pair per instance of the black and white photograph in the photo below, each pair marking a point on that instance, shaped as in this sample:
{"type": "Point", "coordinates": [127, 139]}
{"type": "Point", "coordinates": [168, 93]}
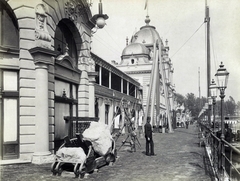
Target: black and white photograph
{"type": "Point", "coordinates": [112, 90]}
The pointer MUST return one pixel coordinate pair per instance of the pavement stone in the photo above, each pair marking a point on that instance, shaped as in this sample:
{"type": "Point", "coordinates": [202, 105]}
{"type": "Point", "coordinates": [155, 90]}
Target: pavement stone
{"type": "Point", "coordinates": [179, 158]}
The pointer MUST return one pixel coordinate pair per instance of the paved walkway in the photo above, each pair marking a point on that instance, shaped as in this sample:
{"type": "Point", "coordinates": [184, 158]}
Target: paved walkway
{"type": "Point", "coordinates": [179, 158]}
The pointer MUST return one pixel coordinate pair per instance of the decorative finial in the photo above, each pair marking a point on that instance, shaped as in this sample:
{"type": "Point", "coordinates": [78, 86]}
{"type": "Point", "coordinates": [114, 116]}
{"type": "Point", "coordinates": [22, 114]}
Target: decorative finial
{"type": "Point", "coordinates": [135, 36]}
{"type": "Point", "coordinates": [221, 65]}
{"type": "Point", "coordinates": [64, 95]}
{"type": "Point", "coordinates": [166, 42]}
{"type": "Point", "coordinates": [127, 41]}
{"type": "Point", "coordinates": [147, 20]}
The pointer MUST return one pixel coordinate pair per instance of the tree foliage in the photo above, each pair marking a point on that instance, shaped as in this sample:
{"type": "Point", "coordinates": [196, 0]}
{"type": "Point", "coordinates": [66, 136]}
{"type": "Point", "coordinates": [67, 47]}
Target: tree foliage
{"type": "Point", "coordinates": [195, 105]}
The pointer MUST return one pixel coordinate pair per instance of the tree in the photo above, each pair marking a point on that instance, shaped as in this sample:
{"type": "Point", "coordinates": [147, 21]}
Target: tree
{"type": "Point", "coordinates": [230, 107]}
{"type": "Point", "coordinates": [191, 103]}
{"type": "Point", "coordinates": [179, 98]}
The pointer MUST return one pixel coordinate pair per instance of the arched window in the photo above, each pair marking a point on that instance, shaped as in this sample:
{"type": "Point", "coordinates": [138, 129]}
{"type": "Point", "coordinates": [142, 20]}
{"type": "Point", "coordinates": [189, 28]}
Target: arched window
{"type": "Point", "coordinates": [64, 38]}
{"type": "Point", "coordinates": [9, 34]}
{"type": "Point", "coordinates": [132, 61]}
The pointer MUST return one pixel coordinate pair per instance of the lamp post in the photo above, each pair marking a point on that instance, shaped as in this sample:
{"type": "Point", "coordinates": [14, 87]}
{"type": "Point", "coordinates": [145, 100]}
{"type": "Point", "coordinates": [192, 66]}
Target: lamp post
{"type": "Point", "coordinates": [206, 112]}
{"type": "Point", "coordinates": [222, 78]}
{"type": "Point", "coordinates": [213, 92]}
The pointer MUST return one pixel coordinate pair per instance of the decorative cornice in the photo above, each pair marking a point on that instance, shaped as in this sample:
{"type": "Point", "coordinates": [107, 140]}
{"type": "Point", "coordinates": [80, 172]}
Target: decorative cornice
{"type": "Point", "coordinates": [43, 55]}
{"type": "Point", "coordinates": [138, 72]}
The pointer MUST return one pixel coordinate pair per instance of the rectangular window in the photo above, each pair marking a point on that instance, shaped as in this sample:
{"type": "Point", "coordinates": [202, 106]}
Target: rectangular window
{"type": "Point", "coordinates": [61, 126]}
{"type": "Point", "coordinates": [10, 120]}
{"type": "Point", "coordinates": [60, 87]}
{"type": "Point", "coordinates": [105, 77]}
{"type": "Point", "coordinates": [10, 82]}
{"type": "Point", "coordinates": [74, 91]}
{"type": "Point", "coordinates": [106, 113]}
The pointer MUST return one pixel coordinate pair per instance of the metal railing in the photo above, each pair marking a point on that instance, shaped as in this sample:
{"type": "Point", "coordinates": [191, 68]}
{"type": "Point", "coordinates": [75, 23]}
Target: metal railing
{"type": "Point", "coordinates": [221, 159]}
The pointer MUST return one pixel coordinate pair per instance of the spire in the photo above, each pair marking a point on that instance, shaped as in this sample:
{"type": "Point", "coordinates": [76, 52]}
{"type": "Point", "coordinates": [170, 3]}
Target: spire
{"type": "Point", "coordinates": [127, 41]}
{"type": "Point", "coordinates": [166, 42]}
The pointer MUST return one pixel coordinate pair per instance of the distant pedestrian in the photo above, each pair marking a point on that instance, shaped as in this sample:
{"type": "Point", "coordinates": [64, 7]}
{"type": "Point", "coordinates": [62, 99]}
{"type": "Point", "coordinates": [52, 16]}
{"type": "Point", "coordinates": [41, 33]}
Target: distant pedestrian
{"type": "Point", "coordinates": [148, 136]}
{"type": "Point", "coordinates": [187, 124]}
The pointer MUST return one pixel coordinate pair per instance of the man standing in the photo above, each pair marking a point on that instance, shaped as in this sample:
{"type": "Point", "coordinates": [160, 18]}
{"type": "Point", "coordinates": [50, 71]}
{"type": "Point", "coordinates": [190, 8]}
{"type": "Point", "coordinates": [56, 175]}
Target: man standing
{"type": "Point", "coordinates": [148, 136]}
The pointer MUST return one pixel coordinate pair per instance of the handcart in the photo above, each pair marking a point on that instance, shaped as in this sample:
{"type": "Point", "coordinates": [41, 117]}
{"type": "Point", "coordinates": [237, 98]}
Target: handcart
{"type": "Point", "coordinates": [92, 162]}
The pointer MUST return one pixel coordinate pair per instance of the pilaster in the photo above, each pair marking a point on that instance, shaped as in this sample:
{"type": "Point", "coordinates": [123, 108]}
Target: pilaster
{"type": "Point", "coordinates": [42, 59]}
{"type": "Point", "coordinates": [91, 76]}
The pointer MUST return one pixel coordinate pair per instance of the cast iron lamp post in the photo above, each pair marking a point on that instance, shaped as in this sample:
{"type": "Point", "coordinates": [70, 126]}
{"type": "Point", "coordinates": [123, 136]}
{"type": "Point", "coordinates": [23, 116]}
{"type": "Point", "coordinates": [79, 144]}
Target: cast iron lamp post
{"type": "Point", "coordinates": [206, 113]}
{"type": "Point", "coordinates": [213, 92]}
{"type": "Point", "coordinates": [222, 78]}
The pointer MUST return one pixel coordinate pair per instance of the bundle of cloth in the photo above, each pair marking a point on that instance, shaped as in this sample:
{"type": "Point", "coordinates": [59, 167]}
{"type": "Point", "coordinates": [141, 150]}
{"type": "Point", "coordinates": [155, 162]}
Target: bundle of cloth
{"type": "Point", "coordinates": [99, 135]}
{"type": "Point", "coordinates": [71, 154]}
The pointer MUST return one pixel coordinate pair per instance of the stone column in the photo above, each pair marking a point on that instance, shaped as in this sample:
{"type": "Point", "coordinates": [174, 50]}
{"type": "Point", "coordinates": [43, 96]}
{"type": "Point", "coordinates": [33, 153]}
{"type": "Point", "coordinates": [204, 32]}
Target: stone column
{"type": "Point", "coordinates": [42, 58]}
{"type": "Point", "coordinates": [91, 76]}
{"type": "Point", "coordinates": [110, 80]}
{"type": "Point", "coordinates": [100, 75]}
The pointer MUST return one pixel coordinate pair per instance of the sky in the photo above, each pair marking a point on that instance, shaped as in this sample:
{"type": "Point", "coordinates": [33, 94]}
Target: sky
{"type": "Point", "coordinates": [181, 23]}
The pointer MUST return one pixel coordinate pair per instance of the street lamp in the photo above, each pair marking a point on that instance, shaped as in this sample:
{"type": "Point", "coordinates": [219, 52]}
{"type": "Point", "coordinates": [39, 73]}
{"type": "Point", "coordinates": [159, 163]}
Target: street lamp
{"type": "Point", "coordinates": [209, 109]}
{"type": "Point", "coordinates": [206, 111]}
{"type": "Point", "coordinates": [99, 19]}
{"type": "Point", "coordinates": [213, 91]}
{"type": "Point", "coordinates": [222, 78]}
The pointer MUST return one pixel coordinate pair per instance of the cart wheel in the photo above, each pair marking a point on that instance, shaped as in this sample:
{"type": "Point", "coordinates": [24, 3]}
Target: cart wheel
{"type": "Point", "coordinates": [114, 155]}
{"type": "Point", "coordinates": [108, 158]}
{"type": "Point", "coordinates": [53, 167]}
{"type": "Point", "coordinates": [81, 174]}
{"type": "Point", "coordinates": [59, 168]}
{"type": "Point", "coordinates": [76, 170]}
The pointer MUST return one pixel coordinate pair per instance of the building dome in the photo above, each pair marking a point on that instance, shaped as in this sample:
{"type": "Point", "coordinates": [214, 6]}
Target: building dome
{"type": "Point", "coordinates": [135, 49]}
{"type": "Point", "coordinates": [147, 34]}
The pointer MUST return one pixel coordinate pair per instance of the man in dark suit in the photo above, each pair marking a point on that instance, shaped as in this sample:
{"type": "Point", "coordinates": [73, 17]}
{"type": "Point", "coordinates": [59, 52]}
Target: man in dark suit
{"type": "Point", "coordinates": [148, 136]}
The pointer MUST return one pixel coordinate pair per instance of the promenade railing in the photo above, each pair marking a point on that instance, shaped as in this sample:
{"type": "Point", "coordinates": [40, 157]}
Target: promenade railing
{"type": "Point", "coordinates": [221, 160]}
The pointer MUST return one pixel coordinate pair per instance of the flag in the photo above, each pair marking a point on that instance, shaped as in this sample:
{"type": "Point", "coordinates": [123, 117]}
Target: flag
{"type": "Point", "coordinates": [146, 4]}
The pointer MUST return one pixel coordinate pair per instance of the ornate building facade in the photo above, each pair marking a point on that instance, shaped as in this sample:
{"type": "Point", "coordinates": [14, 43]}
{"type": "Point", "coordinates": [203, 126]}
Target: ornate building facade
{"type": "Point", "coordinates": [137, 61]}
{"type": "Point", "coordinates": [45, 54]}
{"type": "Point", "coordinates": [47, 72]}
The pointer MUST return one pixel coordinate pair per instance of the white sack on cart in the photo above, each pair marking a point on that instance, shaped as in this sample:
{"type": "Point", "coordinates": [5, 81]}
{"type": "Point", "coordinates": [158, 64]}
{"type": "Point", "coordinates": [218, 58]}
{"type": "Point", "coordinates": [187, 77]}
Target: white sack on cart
{"type": "Point", "coordinates": [71, 154]}
{"type": "Point", "coordinates": [100, 137]}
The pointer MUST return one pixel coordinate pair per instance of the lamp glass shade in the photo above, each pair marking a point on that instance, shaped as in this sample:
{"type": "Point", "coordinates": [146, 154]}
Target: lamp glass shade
{"type": "Point", "coordinates": [213, 89]}
{"type": "Point", "coordinates": [100, 22]}
{"type": "Point", "coordinates": [210, 101]}
{"type": "Point", "coordinates": [222, 77]}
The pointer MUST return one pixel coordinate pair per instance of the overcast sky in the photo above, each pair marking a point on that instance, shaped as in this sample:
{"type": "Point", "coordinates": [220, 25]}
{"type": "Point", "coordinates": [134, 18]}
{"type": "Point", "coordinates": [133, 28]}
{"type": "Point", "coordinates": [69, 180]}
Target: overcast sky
{"type": "Point", "coordinates": [180, 22]}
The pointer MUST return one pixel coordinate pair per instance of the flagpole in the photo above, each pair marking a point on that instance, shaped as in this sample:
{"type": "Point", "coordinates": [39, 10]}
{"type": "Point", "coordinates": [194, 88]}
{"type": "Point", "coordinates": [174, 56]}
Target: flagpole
{"type": "Point", "coordinates": [146, 6]}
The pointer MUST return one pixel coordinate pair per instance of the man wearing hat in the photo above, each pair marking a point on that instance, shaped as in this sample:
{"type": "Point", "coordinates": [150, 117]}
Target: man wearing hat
{"type": "Point", "coordinates": [148, 136]}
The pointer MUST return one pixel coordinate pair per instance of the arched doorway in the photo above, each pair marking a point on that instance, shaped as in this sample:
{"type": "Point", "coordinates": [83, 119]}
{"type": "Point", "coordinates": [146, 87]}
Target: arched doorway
{"type": "Point", "coordinates": [67, 77]}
